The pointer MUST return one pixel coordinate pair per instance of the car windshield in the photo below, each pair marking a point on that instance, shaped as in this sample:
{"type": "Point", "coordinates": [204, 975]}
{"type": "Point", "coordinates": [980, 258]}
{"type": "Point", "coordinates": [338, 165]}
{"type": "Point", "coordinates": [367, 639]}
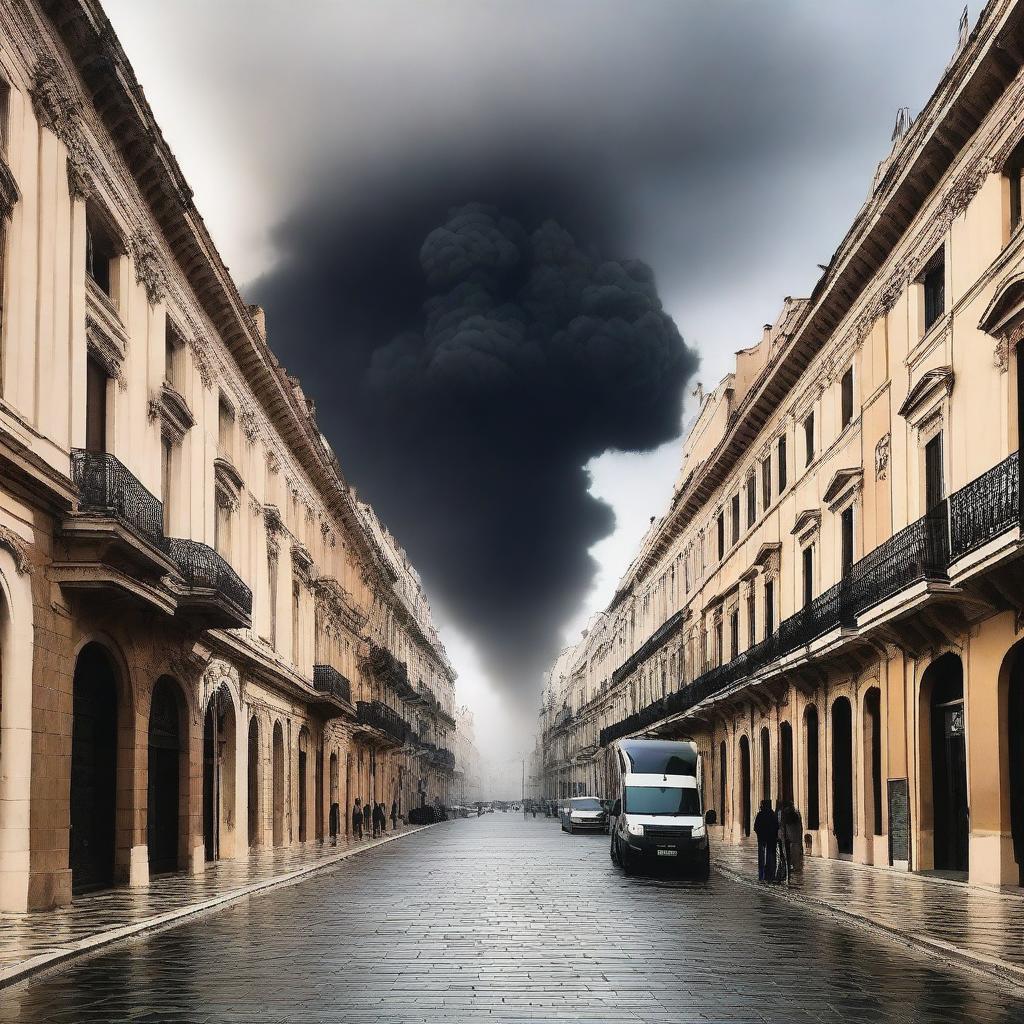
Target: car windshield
{"type": "Point", "coordinates": [661, 800]}
{"type": "Point", "coordinates": [586, 804]}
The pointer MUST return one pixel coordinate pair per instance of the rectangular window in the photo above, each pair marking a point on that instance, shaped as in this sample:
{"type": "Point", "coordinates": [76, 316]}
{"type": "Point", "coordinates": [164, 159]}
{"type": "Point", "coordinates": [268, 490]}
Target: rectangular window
{"type": "Point", "coordinates": [272, 595]}
{"type": "Point", "coordinates": [225, 428]}
{"type": "Point", "coordinates": [766, 484]}
{"type": "Point", "coordinates": [295, 623]}
{"type": "Point", "coordinates": [934, 290]}
{"type": "Point", "coordinates": [934, 485]}
{"type": "Point", "coordinates": [735, 518]}
{"type": "Point", "coordinates": [721, 535]}
{"type": "Point", "coordinates": [846, 525]}
{"type": "Point", "coordinates": [100, 252]}
{"type": "Point", "coordinates": [751, 500]}
{"type": "Point", "coordinates": [166, 471]}
{"type": "Point", "coordinates": [769, 607]}
{"type": "Point", "coordinates": [808, 580]}
{"type": "Point", "coordinates": [751, 621]}
{"type": "Point", "coordinates": [222, 530]}
{"type": "Point", "coordinates": [782, 464]}
{"type": "Point", "coordinates": [846, 387]}
{"type": "Point", "coordinates": [95, 406]}
{"type": "Point", "coordinates": [174, 355]}
{"type": "Point", "coordinates": [809, 439]}
{"type": "Point", "coordinates": [734, 633]}
{"type": "Point", "coordinates": [719, 645]}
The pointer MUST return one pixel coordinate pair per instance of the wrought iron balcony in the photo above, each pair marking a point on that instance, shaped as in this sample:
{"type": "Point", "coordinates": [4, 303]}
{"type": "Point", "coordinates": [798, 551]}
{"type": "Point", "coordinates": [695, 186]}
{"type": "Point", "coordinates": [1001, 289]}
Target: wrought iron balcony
{"type": "Point", "coordinates": [327, 679]}
{"type": "Point", "coordinates": [987, 507]}
{"type": "Point", "coordinates": [106, 488]}
{"type": "Point", "coordinates": [377, 715]}
{"type": "Point", "coordinates": [388, 669]}
{"type": "Point", "coordinates": [210, 581]}
{"type": "Point", "coordinates": [443, 760]}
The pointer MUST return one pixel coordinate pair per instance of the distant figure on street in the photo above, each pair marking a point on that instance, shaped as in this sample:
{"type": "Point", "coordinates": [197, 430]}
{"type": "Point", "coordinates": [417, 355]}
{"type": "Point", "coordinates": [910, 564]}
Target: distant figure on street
{"type": "Point", "coordinates": [534, 808]}
{"type": "Point", "coordinates": [526, 810]}
{"type": "Point", "coordinates": [335, 822]}
{"type": "Point", "coordinates": [357, 819]}
{"type": "Point", "coordinates": [367, 820]}
{"type": "Point", "coordinates": [394, 815]}
{"type": "Point", "coordinates": [378, 819]}
{"type": "Point", "coordinates": [791, 828]}
{"type": "Point", "coordinates": [766, 827]}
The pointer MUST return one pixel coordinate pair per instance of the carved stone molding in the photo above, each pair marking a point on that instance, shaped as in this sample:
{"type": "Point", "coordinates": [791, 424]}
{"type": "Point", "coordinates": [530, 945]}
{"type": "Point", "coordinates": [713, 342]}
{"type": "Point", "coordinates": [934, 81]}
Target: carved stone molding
{"type": "Point", "coordinates": [9, 194]}
{"type": "Point", "coordinates": [150, 270]}
{"type": "Point", "coordinates": [1001, 354]}
{"type": "Point", "coordinates": [272, 515]}
{"type": "Point", "coordinates": [171, 409]}
{"type": "Point", "coordinates": [254, 506]}
{"type": "Point", "coordinates": [302, 563]}
{"type": "Point", "coordinates": [882, 457]}
{"type": "Point", "coordinates": [250, 425]}
{"type": "Point", "coordinates": [54, 103]}
{"type": "Point", "coordinates": [16, 546]}
{"type": "Point", "coordinates": [105, 348]}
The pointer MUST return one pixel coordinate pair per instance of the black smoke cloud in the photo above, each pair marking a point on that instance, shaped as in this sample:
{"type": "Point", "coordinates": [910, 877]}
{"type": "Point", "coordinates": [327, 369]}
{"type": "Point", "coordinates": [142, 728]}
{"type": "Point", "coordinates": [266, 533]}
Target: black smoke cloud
{"type": "Point", "coordinates": [468, 361]}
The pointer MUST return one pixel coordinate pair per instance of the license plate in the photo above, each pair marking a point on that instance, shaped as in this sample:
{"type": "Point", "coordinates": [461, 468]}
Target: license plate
{"type": "Point", "coordinates": [668, 853]}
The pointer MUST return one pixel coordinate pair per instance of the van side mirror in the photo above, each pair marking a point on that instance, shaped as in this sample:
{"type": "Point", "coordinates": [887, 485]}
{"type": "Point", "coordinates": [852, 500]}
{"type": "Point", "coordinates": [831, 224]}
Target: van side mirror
{"type": "Point", "coordinates": [616, 808]}
{"type": "Point", "coordinates": [711, 818]}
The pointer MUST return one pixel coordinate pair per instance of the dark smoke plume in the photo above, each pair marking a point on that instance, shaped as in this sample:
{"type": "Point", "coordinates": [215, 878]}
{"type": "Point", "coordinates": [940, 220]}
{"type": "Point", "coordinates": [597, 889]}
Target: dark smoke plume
{"type": "Point", "coordinates": [466, 392]}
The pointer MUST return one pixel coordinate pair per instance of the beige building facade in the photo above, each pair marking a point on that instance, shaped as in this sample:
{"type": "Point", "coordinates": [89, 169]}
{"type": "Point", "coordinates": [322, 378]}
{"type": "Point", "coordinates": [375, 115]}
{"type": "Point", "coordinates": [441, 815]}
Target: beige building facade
{"type": "Point", "coordinates": [832, 604]}
{"type": "Point", "coordinates": [207, 643]}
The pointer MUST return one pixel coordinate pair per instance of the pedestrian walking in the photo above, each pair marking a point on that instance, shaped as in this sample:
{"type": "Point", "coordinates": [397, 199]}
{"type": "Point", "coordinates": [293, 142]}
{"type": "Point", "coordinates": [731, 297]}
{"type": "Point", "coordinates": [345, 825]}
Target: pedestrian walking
{"type": "Point", "coordinates": [335, 822]}
{"type": "Point", "coordinates": [382, 819]}
{"type": "Point", "coordinates": [367, 820]}
{"type": "Point", "coordinates": [357, 819]}
{"type": "Point", "coordinates": [792, 827]}
{"type": "Point", "coordinates": [394, 815]}
{"type": "Point", "coordinates": [766, 827]}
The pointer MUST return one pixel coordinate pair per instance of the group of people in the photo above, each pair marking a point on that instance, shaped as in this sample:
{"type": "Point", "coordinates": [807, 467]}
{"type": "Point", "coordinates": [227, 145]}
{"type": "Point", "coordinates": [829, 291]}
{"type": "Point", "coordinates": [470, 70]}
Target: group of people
{"type": "Point", "coordinates": [779, 834]}
{"type": "Point", "coordinates": [371, 819]}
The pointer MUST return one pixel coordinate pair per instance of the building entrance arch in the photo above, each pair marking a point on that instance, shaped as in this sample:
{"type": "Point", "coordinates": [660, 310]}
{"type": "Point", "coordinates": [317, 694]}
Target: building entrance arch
{"type": "Point", "coordinates": [842, 774]}
{"type": "Point", "coordinates": [164, 776]}
{"type": "Point", "coordinates": [745, 785]}
{"type": "Point", "coordinates": [219, 775]}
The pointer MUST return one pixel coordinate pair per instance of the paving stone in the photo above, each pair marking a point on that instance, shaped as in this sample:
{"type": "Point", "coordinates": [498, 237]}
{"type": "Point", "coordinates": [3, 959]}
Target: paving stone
{"type": "Point", "coordinates": [504, 920]}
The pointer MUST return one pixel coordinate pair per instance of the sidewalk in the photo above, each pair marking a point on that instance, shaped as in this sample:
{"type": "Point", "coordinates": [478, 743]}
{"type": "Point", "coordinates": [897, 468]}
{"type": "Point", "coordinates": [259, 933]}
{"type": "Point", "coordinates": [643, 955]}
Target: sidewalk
{"type": "Point", "coordinates": [977, 927]}
{"type": "Point", "coordinates": [32, 942]}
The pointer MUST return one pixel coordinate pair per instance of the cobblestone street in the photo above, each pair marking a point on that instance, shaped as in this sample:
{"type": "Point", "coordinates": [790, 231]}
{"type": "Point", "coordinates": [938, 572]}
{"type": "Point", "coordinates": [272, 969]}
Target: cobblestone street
{"type": "Point", "coordinates": [501, 919]}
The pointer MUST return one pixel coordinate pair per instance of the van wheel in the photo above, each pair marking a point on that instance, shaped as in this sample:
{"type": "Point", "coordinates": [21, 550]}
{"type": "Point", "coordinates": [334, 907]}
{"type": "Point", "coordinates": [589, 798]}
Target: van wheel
{"type": "Point", "coordinates": [704, 871]}
{"type": "Point", "coordinates": [625, 862]}
{"type": "Point", "coordinates": [613, 851]}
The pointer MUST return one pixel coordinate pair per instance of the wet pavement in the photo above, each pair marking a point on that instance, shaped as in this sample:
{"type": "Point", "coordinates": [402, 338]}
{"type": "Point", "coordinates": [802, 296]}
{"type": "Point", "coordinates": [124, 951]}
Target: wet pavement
{"type": "Point", "coordinates": [501, 919]}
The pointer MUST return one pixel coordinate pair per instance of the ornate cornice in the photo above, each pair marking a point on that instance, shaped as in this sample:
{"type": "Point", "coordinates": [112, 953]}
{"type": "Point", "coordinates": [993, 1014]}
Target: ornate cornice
{"type": "Point", "coordinates": [150, 270]}
{"type": "Point", "coordinates": [9, 194]}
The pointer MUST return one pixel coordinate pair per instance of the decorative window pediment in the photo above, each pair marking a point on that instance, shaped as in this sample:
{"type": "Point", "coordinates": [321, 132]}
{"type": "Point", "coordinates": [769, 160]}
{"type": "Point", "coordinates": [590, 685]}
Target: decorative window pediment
{"type": "Point", "coordinates": [172, 410]}
{"type": "Point", "coordinates": [932, 384]}
{"type": "Point", "coordinates": [842, 484]}
{"type": "Point", "coordinates": [807, 524]}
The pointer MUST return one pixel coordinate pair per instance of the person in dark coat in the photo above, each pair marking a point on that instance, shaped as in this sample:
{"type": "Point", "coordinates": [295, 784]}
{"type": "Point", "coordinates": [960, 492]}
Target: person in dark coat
{"type": "Point", "coordinates": [335, 822]}
{"type": "Point", "coordinates": [357, 819]}
{"type": "Point", "coordinates": [394, 815]}
{"type": "Point", "coordinates": [791, 831]}
{"type": "Point", "coordinates": [382, 819]}
{"type": "Point", "coordinates": [766, 827]}
{"type": "Point", "coordinates": [367, 820]}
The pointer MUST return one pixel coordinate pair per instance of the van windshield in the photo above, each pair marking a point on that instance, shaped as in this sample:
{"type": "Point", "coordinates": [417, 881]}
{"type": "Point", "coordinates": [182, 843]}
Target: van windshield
{"type": "Point", "coordinates": [661, 800]}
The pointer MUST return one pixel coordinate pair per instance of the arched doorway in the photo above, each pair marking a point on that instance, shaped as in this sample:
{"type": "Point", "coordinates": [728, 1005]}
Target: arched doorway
{"type": "Point", "coordinates": [813, 767]}
{"type": "Point", "coordinates": [318, 791]}
{"type": "Point", "coordinates": [745, 785]}
{"type": "Point", "coordinates": [93, 770]}
{"type": "Point", "coordinates": [219, 775]}
{"type": "Point", "coordinates": [1015, 754]}
{"type": "Point", "coordinates": [723, 777]}
{"type": "Point", "coordinates": [253, 781]}
{"type": "Point", "coordinates": [873, 759]}
{"type": "Point", "coordinates": [842, 774]}
{"type": "Point", "coordinates": [786, 761]}
{"type": "Point", "coordinates": [164, 789]}
{"type": "Point", "coordinates": [303, 779]}
{"type": "Point", "coordinates": [278, 780]}
{"type": "Point", "coordinates": [942, 686]}
{"type": "Point", "coordinates": [766, 764]}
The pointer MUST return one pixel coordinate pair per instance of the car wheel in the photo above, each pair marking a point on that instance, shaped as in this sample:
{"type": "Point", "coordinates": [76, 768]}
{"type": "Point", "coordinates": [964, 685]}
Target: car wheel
{"type": "Point", "coordinates": [561, 825]}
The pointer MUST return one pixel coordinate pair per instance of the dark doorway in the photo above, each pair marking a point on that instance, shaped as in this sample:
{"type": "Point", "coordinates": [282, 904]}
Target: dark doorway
{"type": "Point", "coordinates": [253, 787]}
{"type": "Point", "coordinates": [723, 787]}
{"type": "Point", "coordinates": [873, 758]}
{"type": "Point", "coordinates": [278, 784]}
{"type": "Point", "coordinates": [949, 763]}
{"type": "Point", "coordinates": [303, 778]}
{"type": "Point", "coordinates": [318, 791]}
{"type": "Point", "coordinates": [1015, 732]}
{"type": "Point", "coordinates": [842, 774]}
{"type": "Point", "coordinates": [210, 783]}
{"type": "Point", "coordinates": [786, 760]}
{"type": "Point", "coordinates": [813, 801]}
{"type": "Point", "coordinates": [93, 771]}
{"type": "Point", "coordinates": [745, 785]}
{"type": "Point", "coordinates": [766, 765]}
{"type": "Point", "coordinates": [162, 808]}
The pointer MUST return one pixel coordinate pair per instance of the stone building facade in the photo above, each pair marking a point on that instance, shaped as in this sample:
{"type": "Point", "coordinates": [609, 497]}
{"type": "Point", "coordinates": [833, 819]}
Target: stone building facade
{"type": "Point", "coordinates": [831, 606]}
{"type": "Point", "coordinates": [207, 643]}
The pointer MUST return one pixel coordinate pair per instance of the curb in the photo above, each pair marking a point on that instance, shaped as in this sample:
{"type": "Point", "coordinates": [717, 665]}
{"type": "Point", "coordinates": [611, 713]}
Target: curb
{"type": "Point", "coordinates": [52, 958]}
{"type": "Point", "coordinates": [980, 963]}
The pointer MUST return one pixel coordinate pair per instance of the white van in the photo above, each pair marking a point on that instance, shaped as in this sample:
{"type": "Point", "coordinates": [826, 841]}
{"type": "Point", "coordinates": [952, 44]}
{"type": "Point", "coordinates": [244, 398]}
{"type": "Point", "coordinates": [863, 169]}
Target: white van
{"type": "Point", "coordinates": [658, 815]}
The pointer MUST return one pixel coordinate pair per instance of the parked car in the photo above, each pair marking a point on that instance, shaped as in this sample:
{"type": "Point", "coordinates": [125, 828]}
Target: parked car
{"type": "Point", "coordinates": [583, 813]}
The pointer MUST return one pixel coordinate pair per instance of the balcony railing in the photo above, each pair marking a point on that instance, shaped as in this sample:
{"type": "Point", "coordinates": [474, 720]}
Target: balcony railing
{"type": "Point", "coordinates": [107, 488]}
{"type": "Point", "coordinates": [443, 760]}
{"type": "Point", "coordinates": [377, 715]}
{"type": "Point", "coordinates": [327, 679]}
{"type": "Point", "coordinates": [977, 513]}
{"type": "Point", "coordinates": [987, 507]}
{"type": "Point", "coordinates": [390, 670]}
{"type": "Point", "coordinates": [202, 567]}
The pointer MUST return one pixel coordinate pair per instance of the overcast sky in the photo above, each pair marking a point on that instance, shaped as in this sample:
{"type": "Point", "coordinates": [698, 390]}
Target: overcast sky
{"type": "Point", "coordinates": [726, 146]}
